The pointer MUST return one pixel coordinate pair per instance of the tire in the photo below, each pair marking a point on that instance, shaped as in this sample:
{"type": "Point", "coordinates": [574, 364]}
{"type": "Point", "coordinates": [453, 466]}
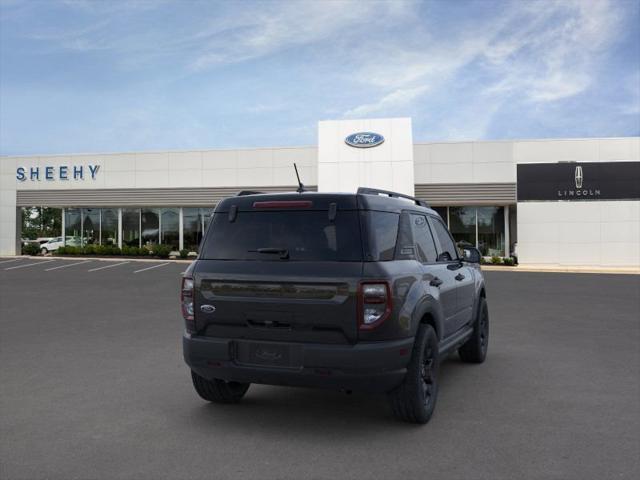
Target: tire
{"type": "Point", "coordinates": [475, 349]}
{"type": "Point", "coordinates": [415, 399]}
{"type": "Point", "coordinates": [44, 251]}
{"type": "Point", "coordinates": [219, 391]}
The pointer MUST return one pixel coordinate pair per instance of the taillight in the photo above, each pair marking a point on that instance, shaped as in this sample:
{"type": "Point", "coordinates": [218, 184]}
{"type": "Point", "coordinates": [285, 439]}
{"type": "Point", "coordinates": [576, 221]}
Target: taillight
{"type": "Point", "coordinates": [374, 304]}
{"type": "Point", "coordinates": [186, 301]}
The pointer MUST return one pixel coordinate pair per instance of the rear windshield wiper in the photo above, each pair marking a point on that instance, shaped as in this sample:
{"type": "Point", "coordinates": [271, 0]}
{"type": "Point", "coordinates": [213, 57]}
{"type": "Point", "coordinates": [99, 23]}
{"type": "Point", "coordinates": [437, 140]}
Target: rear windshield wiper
{"type": "Point", "coordinates": [283, 252]}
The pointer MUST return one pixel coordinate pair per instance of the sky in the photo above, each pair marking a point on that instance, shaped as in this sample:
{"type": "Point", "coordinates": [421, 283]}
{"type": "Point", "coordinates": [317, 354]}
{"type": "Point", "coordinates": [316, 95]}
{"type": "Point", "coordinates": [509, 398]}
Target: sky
{"type": "Point", "coordinates": [88, 76]}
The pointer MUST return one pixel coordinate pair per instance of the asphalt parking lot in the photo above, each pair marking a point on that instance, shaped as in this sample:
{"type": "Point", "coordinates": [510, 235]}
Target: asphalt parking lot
{"type": "Point", "coordinates": [93, 385]}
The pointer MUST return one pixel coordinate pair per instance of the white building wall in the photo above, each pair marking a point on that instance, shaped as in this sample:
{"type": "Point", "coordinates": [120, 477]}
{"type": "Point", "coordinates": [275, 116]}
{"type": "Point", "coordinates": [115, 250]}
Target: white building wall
{"type": "Point", "coordinates": [200, 168]}
{"type": "Point", "coordinates": [579, 233]}
{"type": "Point", "coordinates": [389, 166]}
{"type": "Point", "coordinates": [8, 211]}
{"type": "Point", "coordinates": [464, 162]}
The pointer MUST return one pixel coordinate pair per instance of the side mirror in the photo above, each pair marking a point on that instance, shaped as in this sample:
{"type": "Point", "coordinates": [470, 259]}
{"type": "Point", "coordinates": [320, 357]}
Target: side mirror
{"type": "Point", "coordinates": [471, 254]}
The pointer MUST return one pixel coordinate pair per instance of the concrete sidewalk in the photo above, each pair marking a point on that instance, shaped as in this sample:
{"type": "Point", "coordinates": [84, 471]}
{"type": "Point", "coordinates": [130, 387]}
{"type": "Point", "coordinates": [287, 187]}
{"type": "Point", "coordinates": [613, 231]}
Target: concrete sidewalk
{"type": "Point", "coordinates": [561, 269]}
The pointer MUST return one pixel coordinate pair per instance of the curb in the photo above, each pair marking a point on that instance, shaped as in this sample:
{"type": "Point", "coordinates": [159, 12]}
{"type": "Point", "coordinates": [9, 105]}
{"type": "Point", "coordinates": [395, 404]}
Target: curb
{"type": "Point", "coordinates": [559, 269]}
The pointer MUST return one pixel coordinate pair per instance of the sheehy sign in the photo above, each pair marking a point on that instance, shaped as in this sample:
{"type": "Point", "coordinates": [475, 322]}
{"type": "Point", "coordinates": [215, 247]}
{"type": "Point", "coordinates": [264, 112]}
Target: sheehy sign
{"type": "Point", "coordinates": [576, 181]}
{"type": "Point", "coordinates": [60, 172]}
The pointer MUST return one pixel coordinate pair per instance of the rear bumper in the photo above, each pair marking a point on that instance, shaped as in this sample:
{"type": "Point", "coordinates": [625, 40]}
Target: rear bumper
{"type": "Point", "coordinates": [369, 367]}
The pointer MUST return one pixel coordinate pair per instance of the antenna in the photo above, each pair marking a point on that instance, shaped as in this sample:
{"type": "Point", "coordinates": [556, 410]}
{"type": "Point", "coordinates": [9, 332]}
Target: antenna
{"type": "Point", "coordinates": [300, 185]}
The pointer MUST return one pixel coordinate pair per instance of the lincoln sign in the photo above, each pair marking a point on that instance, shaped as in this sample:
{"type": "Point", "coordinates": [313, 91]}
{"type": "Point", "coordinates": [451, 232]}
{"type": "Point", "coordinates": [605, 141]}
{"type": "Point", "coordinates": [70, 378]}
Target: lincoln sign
{"type": "Point", "coordinates": [576, 181]}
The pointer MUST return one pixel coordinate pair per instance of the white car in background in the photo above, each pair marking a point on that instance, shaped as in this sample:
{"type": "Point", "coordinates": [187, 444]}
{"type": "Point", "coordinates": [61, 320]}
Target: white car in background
{"type": "Point", "coordinates": [57, 242]}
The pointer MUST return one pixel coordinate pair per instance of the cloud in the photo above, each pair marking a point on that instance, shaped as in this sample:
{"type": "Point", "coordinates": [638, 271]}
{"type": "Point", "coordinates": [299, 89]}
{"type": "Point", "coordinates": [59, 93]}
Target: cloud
{"type": "Point", "coordinates": [538, 51]}
{"type": "Point", "coordinates": [552, 53]}
{"type": "Point", "coordinates": [285, 25]}
{"type": "Point", "coordinates": [396, 99]}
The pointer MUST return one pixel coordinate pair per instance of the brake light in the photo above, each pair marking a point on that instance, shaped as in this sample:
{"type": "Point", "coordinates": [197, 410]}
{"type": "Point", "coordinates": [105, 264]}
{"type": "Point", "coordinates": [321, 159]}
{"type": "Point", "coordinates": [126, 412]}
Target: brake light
{"type": "Point", "coordinates": [374, 304]}
{"type": "Point", "coordinates": [186, 302]}
{"type": "Point", "coordinates": [284, 204]}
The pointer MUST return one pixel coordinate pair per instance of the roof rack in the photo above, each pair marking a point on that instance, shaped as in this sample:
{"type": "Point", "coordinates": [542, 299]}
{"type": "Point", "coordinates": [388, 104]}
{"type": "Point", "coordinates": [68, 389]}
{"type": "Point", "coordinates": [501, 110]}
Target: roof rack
{"type": "Point", "coordinates": [376, 191]}
{"type": "Point", "coordinates": [243, 193]}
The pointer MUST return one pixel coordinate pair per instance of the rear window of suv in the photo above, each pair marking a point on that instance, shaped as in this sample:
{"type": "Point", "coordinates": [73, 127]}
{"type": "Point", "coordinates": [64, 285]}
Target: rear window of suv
{"type": "Point", "coordinates": [303, 235]}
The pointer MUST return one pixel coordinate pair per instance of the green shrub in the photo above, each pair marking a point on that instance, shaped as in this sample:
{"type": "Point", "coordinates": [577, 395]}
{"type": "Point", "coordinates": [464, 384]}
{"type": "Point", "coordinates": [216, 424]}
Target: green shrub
{"type": "Point", "coordinates": [61, 251]}
{"type": "Point", "coordinates": [508, 261]}
{"type": "Point", "coordinates": [132, 251]}
{"type": "Point", "coordinates": [496, 260]}
{"type": "Point", "coordinates": [89, 250]}
{"type": "Point", "coordinates": [184, 253]}
{"type": "Point", "coordinates": [162, 251]}
{"type": "Point", "coordinates": [31, 249]}
{"type": "Point", "coordinates": [482, 260]}
{"type": "Point", "coordinates": [144, 251]}
{"type": "Point", "coordinates": [70, 250]}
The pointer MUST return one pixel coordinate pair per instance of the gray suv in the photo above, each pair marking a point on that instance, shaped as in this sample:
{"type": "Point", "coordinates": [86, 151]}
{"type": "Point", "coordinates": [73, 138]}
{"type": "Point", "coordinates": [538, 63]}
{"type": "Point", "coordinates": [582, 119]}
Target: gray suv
{"type": "Point", "coordinates": [363, 292]}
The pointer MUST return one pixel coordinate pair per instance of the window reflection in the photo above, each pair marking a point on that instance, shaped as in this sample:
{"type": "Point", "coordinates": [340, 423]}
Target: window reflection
{"type": "Point", "coordinates": [192, 228]}
{"type": "Point", "coordinates": [109, 226]}
{"type": "Point", "coordinates": [131, 227]}
{"type": "Point", "coordinates": [150, 226]}
{"type": "Point", "coordinates": [170, 230]}
{"type": "Point", "coordinates": [72, 226]}
{"type": "Point", "coordinates": [491, 230]}
{"type": "Point", "coordinates": [90, 226]}
{"type": "Point", "coordinates": [462, 224]}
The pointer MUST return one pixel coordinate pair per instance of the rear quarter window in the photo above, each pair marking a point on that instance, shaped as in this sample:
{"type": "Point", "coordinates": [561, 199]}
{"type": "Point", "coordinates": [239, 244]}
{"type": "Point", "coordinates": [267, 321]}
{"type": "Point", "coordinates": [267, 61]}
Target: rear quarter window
{"type": "Point", "coordinates": [381, 234]}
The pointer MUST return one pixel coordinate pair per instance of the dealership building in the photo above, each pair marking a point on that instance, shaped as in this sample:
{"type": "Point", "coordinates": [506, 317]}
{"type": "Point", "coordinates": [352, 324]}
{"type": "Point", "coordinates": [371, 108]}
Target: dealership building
{"type": "Point", "coordinates": [560, 202]}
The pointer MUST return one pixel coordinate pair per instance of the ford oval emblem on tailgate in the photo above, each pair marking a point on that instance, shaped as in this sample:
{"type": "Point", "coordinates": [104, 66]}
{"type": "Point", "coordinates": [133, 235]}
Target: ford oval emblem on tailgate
{"type": "Point", "coordinates": [207, 308]}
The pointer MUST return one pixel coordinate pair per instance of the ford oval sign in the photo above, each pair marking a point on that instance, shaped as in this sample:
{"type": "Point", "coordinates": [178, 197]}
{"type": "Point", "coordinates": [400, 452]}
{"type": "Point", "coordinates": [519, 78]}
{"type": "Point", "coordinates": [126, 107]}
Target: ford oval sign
{"type": "Point", "coordinates": [364, 139]}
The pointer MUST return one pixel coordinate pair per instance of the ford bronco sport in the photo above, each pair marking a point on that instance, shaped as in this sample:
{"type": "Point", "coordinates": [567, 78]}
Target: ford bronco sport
{"type": "Point", "coordinates": [363, 292]}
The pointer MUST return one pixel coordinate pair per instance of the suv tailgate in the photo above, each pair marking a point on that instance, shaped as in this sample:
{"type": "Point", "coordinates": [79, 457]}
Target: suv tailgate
{"type": "Point", "coordinates": [277, 300]}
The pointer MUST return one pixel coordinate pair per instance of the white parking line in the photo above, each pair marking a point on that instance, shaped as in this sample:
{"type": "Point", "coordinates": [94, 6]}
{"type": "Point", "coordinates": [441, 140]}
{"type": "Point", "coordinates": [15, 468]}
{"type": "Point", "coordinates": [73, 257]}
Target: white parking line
{"type": "Point", "coordinates": [108, 266]}
{"type": "Point", "coordinates": [30, 264]}
{"type": "Point", "coordinates": [65, 266]}
{"type": "Point", "coordinates": [9, 261]}
{"type": "Point", "coordinates": [149, 268]}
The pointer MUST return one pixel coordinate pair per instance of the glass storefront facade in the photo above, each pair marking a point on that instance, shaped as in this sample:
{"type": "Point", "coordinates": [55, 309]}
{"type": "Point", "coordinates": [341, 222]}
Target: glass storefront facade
{"type": "Point", "coordinates": [481, 227]}
{"type": "Point", "coordinates": [170, 232]}
{"type": "Point", "coordinates": [131, 227]}
{"type": "Point", "coordinates": [462, 224]}
{"type": "Point", "coordinates": [194, 223]}
{"type": "Point", "coordinates": [109, 226]}
{"type": "Point", "coordinates": [136, 227]}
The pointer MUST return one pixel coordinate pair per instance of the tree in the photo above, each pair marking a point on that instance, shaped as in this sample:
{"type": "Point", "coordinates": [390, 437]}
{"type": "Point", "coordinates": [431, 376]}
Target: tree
{"type": "Point", "coordinates": [41, 222]}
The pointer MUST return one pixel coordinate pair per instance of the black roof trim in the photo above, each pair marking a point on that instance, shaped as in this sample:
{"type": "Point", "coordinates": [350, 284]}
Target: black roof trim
{"type": "Point", "coordinates": [377, 191]}
{"type": "Point", "coordinates": [243, 193]}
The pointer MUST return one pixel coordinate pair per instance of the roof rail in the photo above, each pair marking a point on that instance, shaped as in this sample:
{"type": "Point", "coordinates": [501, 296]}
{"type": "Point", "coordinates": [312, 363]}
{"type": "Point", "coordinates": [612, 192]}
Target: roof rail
{"type": "Point", "coordinates": [243, 193]}
{"type": "Point", "coordinates": [377, 191]}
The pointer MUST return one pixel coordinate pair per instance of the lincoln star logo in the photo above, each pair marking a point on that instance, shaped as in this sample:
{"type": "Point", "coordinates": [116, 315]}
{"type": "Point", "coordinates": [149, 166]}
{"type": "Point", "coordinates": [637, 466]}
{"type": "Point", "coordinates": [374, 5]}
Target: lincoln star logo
{"type": "Point", "coordinates": [579, 177]}
{"type": "Point", "coordinates": [364, 139]}
{"type": "Point", "coordinates": [580, 191]}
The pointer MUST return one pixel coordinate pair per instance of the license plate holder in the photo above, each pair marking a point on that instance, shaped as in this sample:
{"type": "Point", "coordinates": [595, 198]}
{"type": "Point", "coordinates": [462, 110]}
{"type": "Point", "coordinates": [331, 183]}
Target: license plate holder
{"type": "Point", "coordinates": [266, 354]}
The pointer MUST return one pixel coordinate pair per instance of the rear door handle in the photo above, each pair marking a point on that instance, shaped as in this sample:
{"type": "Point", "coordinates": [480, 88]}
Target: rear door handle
{"type": "Point", "coordinates": [436, 282]}
{"type": "Point", "coordinates": [459, 277]}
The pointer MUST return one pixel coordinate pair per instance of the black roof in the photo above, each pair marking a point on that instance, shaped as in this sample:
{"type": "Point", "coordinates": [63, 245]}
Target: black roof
{"type": "Point", "coordinates": [365, 199]}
